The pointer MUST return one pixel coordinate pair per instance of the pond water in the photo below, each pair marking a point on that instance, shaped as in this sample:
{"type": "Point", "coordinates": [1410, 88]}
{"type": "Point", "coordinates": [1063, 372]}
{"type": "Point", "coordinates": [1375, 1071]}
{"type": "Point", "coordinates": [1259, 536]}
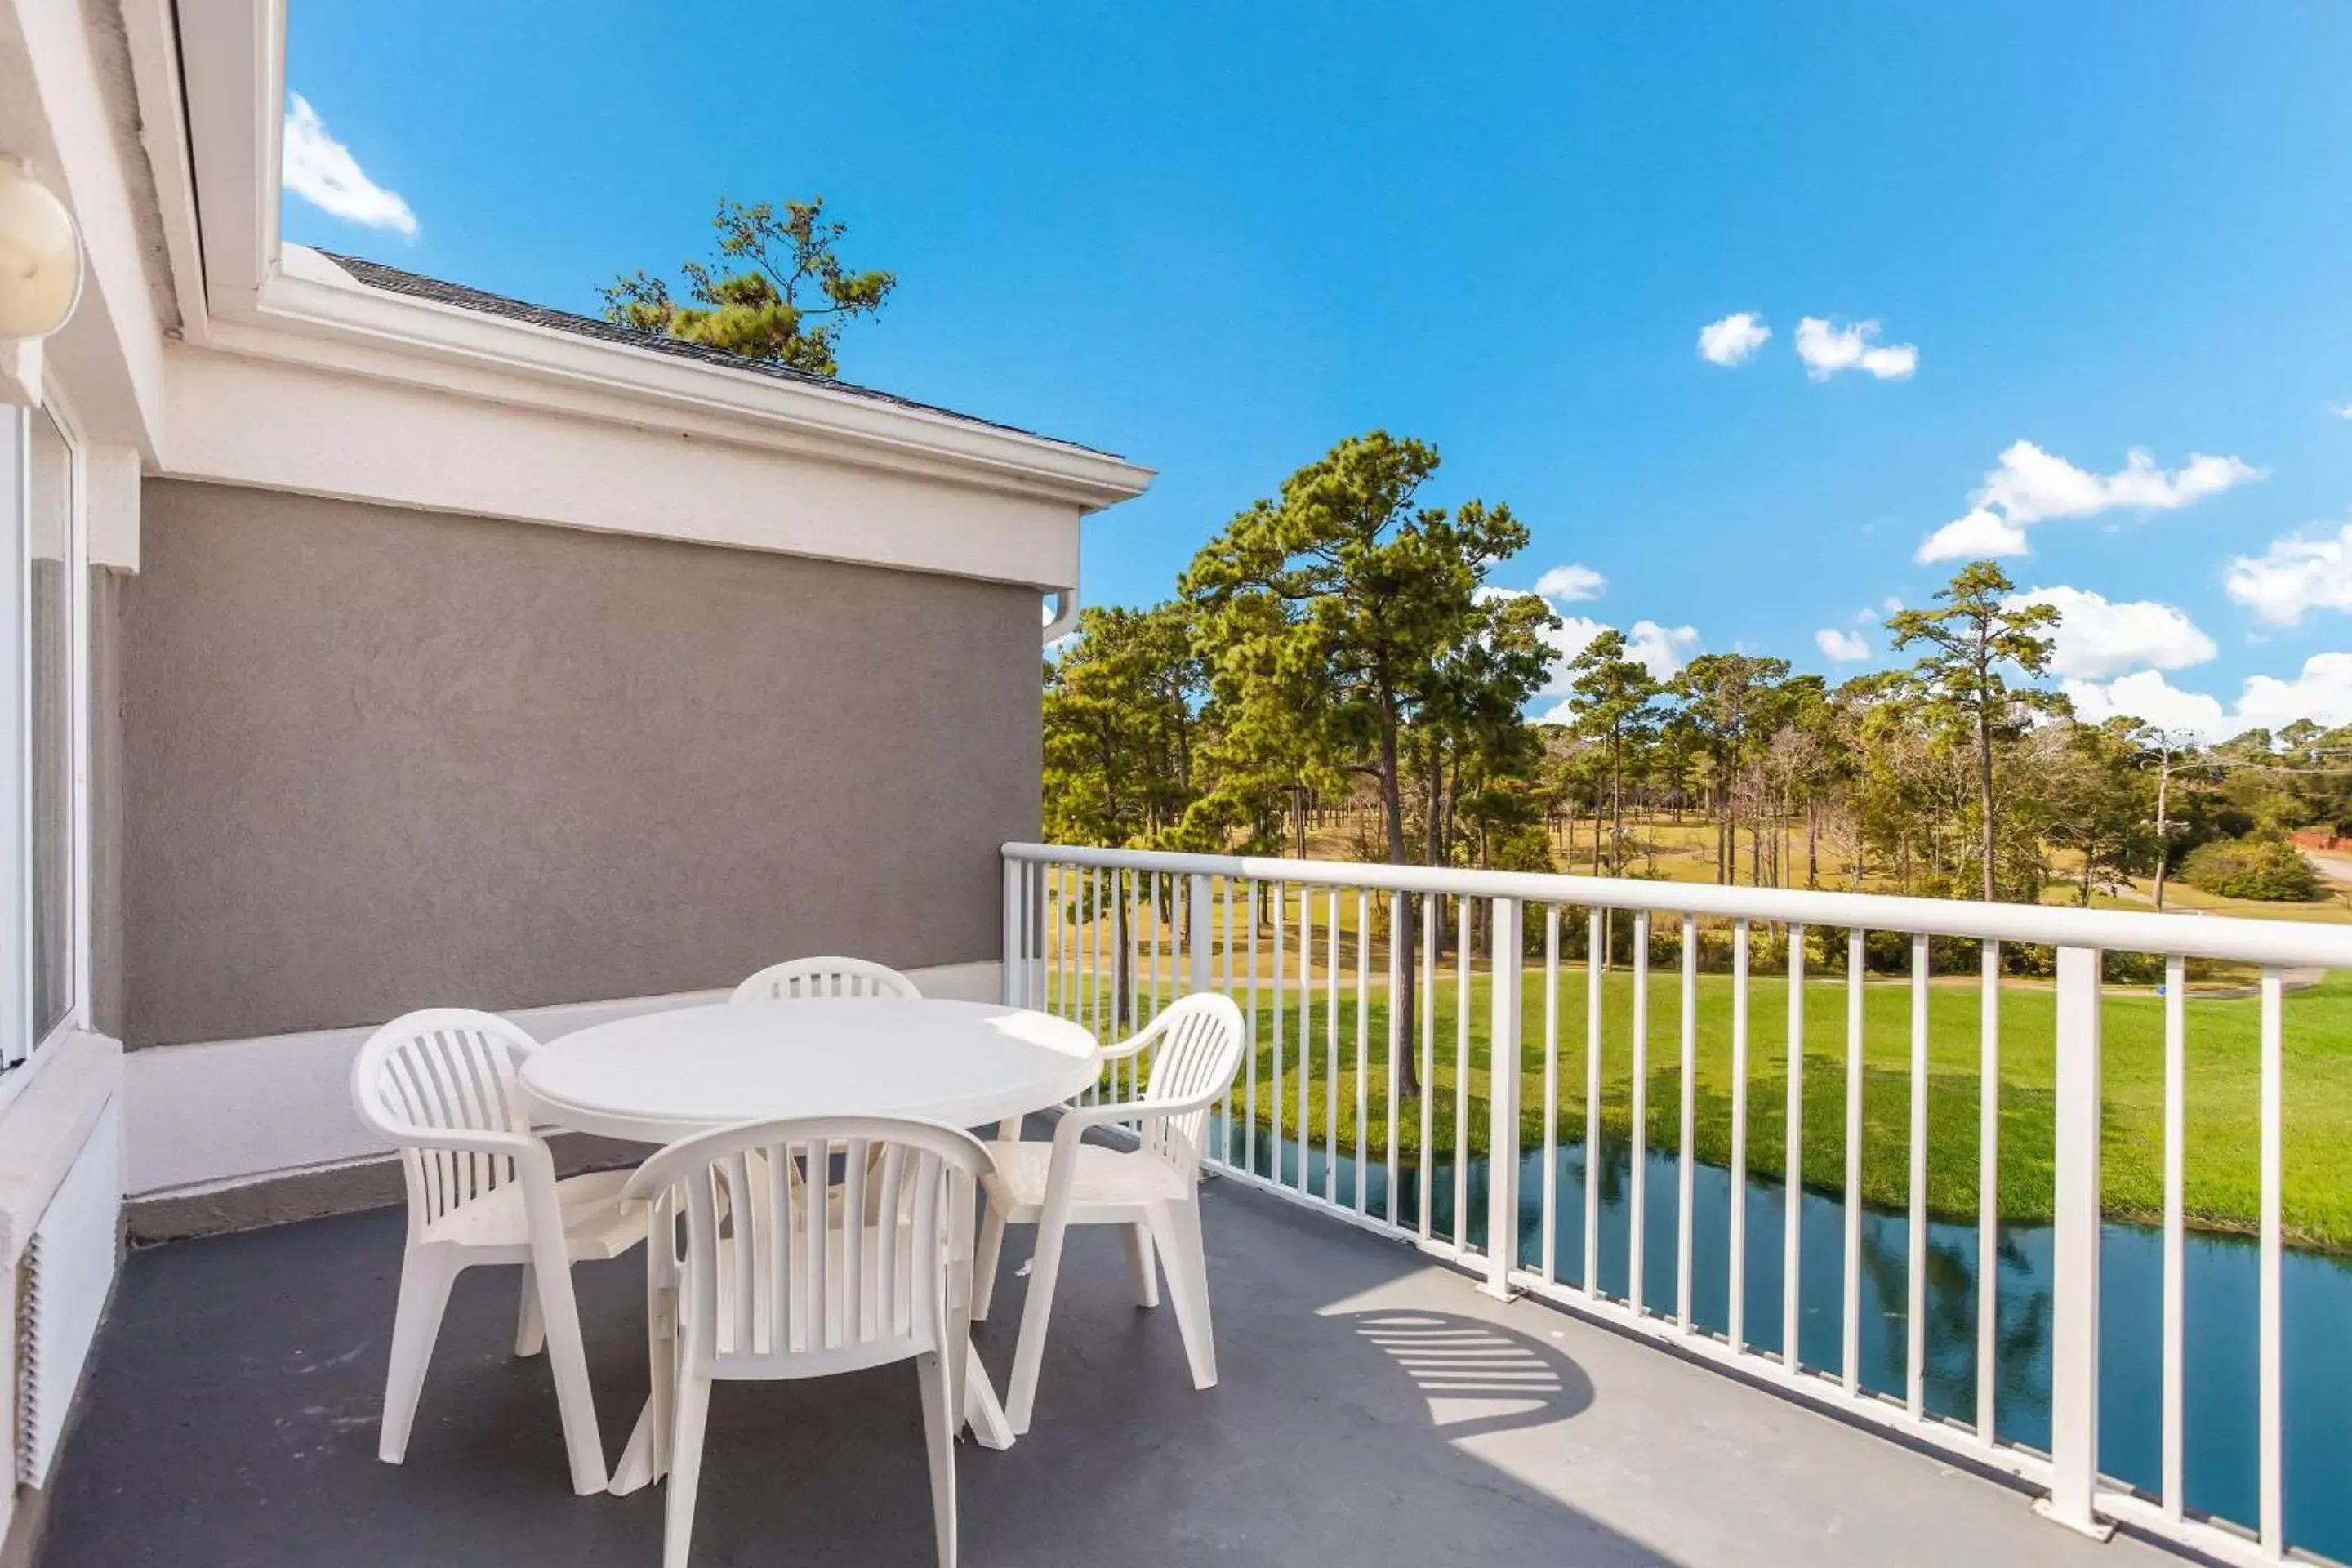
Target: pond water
{"type": "Point", "coordinates": [2218, 1428]}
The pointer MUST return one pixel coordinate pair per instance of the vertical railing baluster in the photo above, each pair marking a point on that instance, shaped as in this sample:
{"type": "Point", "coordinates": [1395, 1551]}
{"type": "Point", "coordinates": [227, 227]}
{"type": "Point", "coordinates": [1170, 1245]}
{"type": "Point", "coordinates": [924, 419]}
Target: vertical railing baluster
{"type": "Point", "coordinates": [1792, 1206]}
{"type": "Point", "coordinates": [1915, 1319]}
{"type": "Point", "coordinates": [1305, 1027]}
{"type": "Point", "coordinates": [2075, 1248]}
{"type": "Point", "coordinates": [1104, 1030]}
{"type": "Point", "coordinates": [1031, 986]}
{"type": "Point", "coordinates": [1504, 998]}
{"type": "Point", "coordinates": [1331, 1057]}
{"type": "Point", "coordinates": [1363, 1045]}
{"type": "Point", "coordinates": [1151, 911]}
{"type": "Point", "coordinates": [2175, 1115]}
{"type": "Point", "coordinates": [1249, 1062]}
{"type": "Point", "coordinates": [1462, 1074]}
{"type": "Point", "coordinates": [1008, 984]}
{"type": "Point", "coordinates": [1685, 1168]}
{"type": "Point", "coordinates": [2272, 1397]}
{"type": "Point", "coordinates": [1637, 1213]}
{"type": "Point", "coordinates": [1066, 923]}
{"type": "Point", "coordinates": [1856, 960]}
{"type": "Point", "coordinates": [1199, 917]}
{"type": "Point", "coordinates": [1393, 1106]}
{"type": "Point", "coordinates": [1989, 1196]}
{"type": "Point", "coordinates": [1592, 943]}
{"type": "Point", "coordinates": [1428, 1058]}
{"type": "Point", "coordinates": [1280, 894]}
{"type": "Point", "coordinates": [1736, 1309]}
{"type": "Point", "coordinates": [1551, 1096]}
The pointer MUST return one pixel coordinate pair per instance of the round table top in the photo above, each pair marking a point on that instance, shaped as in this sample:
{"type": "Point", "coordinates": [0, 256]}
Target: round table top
{"type": "Point", "coordinates": [660, 1077]}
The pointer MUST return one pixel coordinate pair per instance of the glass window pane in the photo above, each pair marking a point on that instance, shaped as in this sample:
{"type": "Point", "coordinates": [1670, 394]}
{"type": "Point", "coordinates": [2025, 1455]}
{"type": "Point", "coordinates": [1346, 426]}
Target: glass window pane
{"type": "Point", "coordinates": [50, 624]}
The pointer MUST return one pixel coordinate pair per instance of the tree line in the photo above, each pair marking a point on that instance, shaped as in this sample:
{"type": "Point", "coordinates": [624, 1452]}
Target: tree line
{"type": "Point", "coordinates": [1340, 654]}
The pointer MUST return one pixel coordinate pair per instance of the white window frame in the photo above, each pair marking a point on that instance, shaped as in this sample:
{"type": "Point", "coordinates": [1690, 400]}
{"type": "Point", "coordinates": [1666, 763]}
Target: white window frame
{"type": "Point", "coordinates": [20, 1053]}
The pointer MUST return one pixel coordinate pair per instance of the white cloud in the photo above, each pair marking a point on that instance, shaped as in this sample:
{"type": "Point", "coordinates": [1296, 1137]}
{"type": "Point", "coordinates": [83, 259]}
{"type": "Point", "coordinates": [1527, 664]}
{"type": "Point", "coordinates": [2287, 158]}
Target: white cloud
{"type": "Point", "coordinates": [1663, 649]}
{"type": "Point", "coordinates": [2298, 572]}
{"type": "Point", "coordinates": [1732, 339]}
{"type": "Point", "coordinates": [2029, 485]}
{"type": "Point", "coordinates": [1843, 647]}
{"type": "Point", "coordinates": [2341, 410]}
{"type": "Point", "coordinates": [1979, 533]}
{"type": "Point", "coordinates": [1567, 585]}
{"type": "Point", "coordinates": [1827, 350]}
{"type": "Point", "coordinates": [2152, 699]}
{"type": "Point", "coordinates": [2096, 638]}
{"type": "Point", "coordinates": [322, 172]}
{"type": "Point", "coordinates": [2321, 692]}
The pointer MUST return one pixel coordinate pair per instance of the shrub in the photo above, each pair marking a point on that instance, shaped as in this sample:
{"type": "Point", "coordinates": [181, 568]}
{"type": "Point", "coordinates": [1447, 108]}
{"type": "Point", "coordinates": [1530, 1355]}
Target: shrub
{"type": "Point", "coordinates": [2250, 868]}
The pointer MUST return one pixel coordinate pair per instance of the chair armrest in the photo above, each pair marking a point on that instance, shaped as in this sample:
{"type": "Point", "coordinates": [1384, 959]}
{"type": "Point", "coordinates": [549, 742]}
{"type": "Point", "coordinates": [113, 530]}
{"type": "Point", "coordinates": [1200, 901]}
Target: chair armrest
{"type": "Point", "coordinates": [1126, 1047]}
{"type": "Point", "coordinates": [1208, 1100]}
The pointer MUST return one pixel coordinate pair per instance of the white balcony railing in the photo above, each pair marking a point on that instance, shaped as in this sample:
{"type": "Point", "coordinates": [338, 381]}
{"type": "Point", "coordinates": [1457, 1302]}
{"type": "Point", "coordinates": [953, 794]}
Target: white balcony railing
{"type": "Point", "coordinates": [1302, 944]}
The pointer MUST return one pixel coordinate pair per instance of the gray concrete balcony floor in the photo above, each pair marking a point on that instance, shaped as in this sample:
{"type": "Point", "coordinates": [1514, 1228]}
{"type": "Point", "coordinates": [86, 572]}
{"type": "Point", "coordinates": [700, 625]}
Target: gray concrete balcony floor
{"type": "Point", "coordinates": [232, 1420]}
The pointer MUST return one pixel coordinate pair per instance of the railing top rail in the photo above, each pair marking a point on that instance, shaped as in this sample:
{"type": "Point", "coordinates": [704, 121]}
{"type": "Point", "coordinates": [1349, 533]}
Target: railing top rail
{"type": "Point", "coordinates": [2299, 942]}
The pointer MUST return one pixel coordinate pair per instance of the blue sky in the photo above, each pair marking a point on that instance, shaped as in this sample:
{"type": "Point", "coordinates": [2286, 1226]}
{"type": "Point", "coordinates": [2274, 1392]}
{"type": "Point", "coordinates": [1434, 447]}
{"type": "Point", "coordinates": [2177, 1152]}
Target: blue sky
{"type": "Point", "coordinates": [1220, 237]}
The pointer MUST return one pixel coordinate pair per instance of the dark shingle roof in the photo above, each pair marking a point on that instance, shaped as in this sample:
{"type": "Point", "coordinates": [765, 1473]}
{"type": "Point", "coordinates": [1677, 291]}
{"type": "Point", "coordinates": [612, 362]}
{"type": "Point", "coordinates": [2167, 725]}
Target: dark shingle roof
{"type": "Point", "coordinates": [416, 286]}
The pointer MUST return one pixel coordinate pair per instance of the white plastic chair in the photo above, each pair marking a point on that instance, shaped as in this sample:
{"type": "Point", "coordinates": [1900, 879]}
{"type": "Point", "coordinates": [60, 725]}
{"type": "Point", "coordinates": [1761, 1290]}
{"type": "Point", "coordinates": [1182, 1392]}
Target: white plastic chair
{"type": "Point", "coordinates": [775, 1284]}
{"type": "Point", "coordinates": [810, 978]}
{"type": "Point", "coordinates": [1152, 1190]}
{"type": "Point", "coordinates": [442, 1086]}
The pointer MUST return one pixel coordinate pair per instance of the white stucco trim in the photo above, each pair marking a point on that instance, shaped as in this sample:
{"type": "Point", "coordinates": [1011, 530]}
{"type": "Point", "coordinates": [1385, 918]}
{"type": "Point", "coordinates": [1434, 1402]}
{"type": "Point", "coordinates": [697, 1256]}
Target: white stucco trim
{"type": "Point", "coordinates": [202, 1118]}
{"type": "Point", "coordinates": [279, 426]}
{"type": "Point", "coordinates": [111, 479]}
{"type": "Point", "coordinates": [57, 115]}
{"type": "Point", "coordinates": [60, 1093]}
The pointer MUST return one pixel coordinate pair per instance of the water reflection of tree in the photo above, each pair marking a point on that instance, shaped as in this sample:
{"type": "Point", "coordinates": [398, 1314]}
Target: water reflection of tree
{"type": "Point", "coordinates": [1950, 1376]}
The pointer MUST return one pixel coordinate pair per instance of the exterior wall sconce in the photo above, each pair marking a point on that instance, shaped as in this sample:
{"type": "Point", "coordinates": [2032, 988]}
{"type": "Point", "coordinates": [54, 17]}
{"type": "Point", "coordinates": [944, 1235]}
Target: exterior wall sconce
{"type": "Point", "coordinates": [40, 257]}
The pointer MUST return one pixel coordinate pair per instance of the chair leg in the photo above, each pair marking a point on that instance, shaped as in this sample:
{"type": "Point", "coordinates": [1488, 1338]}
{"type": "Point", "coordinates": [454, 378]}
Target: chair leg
{"type": "Point", "coordinates": [984, 1264]}
{"type": "Point", "coordinates": [531, 1325]}
{"type": "Point", "coordinates": [1178, 1227]}
{"type": "Point", "coordinates": [424, 1280]}
{"type": "Point", "coordinates": [661, 1334]}
{"type": "Point", "coordinates": [687, 1419]}
{"type": "Point", "coordinates": [939, 1437]}
{"type": "Point", "coordinates": [1137, 1239]}
{"type": "Point", "coordinates": [569, 1361]}
{"type": "Point", "coordinates": [1036, 1310]}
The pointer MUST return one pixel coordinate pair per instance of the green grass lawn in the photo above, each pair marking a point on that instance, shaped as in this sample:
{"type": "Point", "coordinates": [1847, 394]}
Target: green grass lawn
{"type": "Point", "coordinates": [2222, 1151]}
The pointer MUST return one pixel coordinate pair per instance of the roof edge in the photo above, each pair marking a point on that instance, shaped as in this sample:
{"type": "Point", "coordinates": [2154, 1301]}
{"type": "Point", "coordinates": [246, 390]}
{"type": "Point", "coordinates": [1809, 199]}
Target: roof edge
{"type": "Point", "coordinates": [312, 299]}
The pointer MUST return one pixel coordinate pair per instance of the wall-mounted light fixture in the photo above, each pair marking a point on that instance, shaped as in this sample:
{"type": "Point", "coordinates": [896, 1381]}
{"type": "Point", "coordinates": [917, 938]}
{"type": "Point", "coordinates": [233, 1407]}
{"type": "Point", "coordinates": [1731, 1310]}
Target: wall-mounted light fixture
{"type": "Point", "coordinates": [40, 257]}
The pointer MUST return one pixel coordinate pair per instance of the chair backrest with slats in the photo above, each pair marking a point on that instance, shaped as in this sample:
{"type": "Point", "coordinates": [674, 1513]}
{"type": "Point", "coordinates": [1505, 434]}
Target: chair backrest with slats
{"type": "Point", "coordinates": [813, 978]}
{"type": "Point", "coordinates": [815, 1245]}
{"type": "Point", "coordinates": [1198, 1051]}
{"type": "Point", "coordinates": [446, 1069]}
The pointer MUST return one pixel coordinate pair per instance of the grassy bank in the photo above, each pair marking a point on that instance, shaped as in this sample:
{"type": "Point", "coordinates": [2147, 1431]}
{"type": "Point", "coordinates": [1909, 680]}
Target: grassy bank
{"type": "Point", "coordinates": [2222, 1150]}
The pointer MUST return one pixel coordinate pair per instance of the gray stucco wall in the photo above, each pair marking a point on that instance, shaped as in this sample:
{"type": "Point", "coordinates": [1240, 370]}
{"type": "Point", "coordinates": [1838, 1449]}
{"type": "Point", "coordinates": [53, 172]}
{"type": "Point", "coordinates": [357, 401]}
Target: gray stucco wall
{"type": "Point", "coordinates": [375, 760]}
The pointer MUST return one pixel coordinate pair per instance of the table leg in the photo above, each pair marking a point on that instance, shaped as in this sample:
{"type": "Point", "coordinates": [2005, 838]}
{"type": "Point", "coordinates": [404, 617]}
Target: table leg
{"type": "Point", "coordinates": [982, 1409]}
{"type": "Point", "coordinates": [645, 1459]}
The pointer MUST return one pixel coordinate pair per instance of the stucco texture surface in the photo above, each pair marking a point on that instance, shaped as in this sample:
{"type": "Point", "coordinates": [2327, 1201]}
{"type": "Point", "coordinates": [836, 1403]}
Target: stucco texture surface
{"type": "Point", "coordinates": [376, 760]}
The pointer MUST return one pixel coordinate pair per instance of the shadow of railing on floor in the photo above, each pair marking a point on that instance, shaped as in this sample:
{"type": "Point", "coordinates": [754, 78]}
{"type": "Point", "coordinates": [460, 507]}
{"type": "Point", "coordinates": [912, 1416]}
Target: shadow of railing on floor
{"type": "Point", "coordinates": [1477, 1377]}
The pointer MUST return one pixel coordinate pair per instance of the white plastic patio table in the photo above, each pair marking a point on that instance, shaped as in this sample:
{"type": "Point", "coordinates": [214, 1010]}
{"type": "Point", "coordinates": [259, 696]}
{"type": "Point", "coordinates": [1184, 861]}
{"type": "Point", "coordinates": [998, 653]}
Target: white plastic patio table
{"type": "Point", "coordinates": [660, 1077]}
